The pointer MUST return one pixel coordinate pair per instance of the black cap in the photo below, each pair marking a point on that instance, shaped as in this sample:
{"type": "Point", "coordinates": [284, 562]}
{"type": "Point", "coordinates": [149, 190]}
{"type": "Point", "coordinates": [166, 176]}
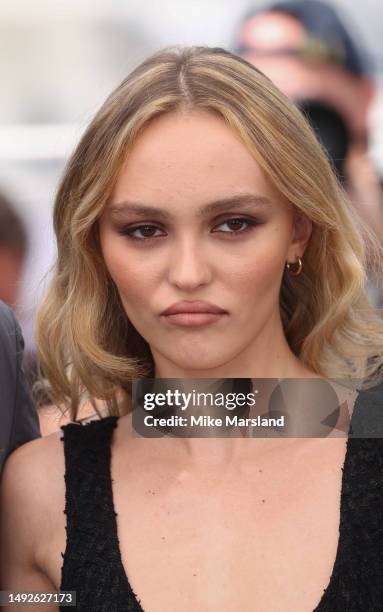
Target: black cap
{"type": "Point", "coordinates": [324, 26]}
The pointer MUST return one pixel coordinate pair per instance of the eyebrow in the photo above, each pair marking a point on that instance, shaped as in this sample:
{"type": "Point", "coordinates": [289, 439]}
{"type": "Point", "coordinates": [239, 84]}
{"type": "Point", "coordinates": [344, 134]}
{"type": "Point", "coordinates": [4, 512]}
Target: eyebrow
{"type": "Point", "coordinates": [235, 201]}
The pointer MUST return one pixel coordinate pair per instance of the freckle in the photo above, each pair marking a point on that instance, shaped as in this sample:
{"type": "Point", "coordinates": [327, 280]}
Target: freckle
{"type": "Point", "coordinates": [263, 501]}
{"type": "Point", "coordinates": [260, 471]}
{"type": "Point", "coordinates": [194, 574]}
{"type": "Point", "coordinates": [162, 537]}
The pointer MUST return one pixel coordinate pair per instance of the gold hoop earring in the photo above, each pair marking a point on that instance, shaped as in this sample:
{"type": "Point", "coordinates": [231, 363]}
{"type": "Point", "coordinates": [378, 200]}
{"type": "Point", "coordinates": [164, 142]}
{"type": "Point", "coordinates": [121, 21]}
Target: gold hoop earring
{"type": "Point", "coordinates": [298, 270]}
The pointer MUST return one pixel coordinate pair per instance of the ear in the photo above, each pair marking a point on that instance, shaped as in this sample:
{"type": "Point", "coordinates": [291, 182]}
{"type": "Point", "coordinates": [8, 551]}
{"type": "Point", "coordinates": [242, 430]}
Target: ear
{"type": "Point", "coordinates": [367, 88]}
{"type": "Point", "coordinates": [302, 229]}
{"type": "Point", "coordinates": [365, 91]}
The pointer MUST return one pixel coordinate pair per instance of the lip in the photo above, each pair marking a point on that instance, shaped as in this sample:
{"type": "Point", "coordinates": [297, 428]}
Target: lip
{"type": "Point", "coordinates": [192, 307]}
{"type": "Point", "coordinates": [193, 319]}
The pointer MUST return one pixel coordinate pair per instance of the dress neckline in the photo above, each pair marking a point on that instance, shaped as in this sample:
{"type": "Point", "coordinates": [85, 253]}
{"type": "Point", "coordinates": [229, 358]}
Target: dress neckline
{"type": "Point", "coordinates": [124, 575]}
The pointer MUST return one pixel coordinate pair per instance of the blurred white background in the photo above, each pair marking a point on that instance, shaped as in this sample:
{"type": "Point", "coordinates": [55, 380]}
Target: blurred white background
{"type": "Point", "coordinates": [59, 59]}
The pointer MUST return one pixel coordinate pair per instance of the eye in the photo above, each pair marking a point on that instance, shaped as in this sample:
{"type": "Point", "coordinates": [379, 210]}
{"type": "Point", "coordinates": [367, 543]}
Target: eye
{"type": "Point", "coordinates": [146, 232]}
{"type": "Point", "coordinates": [236, 223]}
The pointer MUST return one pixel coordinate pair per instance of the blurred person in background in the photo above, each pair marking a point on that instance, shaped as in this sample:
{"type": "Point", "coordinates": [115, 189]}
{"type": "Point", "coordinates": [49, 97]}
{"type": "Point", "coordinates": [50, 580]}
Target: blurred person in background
{"type": "Point", "coordinates": [18, 417]}
{"type": "Point", "coordinates": [304, 47]}
{"type": "Point", "coordinates": [13, 250]}
{"type": "Point", "coordinates": [14, 243]}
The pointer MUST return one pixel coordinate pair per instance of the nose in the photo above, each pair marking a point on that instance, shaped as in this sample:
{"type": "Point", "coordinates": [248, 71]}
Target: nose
{"type": "Point", "coordinates": [188, 266]}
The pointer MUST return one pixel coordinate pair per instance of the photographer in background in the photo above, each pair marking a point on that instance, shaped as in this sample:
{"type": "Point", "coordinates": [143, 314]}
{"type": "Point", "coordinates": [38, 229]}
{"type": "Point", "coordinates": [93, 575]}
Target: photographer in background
{"type": "Point", "coordinates": [306, 50]}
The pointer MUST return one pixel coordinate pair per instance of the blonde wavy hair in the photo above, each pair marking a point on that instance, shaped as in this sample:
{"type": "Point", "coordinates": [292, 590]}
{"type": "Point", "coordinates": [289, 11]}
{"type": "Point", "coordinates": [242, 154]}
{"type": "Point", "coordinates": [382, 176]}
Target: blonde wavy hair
{"type": "Point", "coordinates": [86, 345]}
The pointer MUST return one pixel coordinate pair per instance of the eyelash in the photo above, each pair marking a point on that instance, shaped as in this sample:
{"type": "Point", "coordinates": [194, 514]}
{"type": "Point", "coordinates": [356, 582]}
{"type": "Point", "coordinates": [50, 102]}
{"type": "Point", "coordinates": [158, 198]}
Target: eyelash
{"type": "Point", "coordinates": [128, 231]}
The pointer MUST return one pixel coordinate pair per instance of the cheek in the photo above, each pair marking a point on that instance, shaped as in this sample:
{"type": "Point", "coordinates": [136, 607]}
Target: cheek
{"type": "Point", "coordinates": [257, 286]}
{"type": "Point", "coordinates": [132, 277]}
{"type": "Point", "coordinates": [258, 271]}
{"type": "Point", "coordinates": [135, 284]}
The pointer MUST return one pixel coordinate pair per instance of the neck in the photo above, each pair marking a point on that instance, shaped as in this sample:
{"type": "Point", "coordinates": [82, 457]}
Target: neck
{"type": "Point", "coordinates": [268, 355]}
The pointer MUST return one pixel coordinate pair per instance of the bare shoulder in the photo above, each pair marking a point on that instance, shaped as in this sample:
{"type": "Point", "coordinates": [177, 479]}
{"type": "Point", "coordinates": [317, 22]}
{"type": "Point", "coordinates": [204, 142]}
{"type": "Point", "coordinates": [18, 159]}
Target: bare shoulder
{"type": "Point", "coordinates": [33, 463]}
{"type": "Point", "coordinates": [33, 481]}
{"type": "Point", "coordinates": [32, 503]}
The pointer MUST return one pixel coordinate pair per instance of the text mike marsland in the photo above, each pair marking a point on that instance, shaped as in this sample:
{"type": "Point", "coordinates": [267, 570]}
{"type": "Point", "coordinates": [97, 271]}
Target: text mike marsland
{"type": "Point", "coordinates": [209, 421]}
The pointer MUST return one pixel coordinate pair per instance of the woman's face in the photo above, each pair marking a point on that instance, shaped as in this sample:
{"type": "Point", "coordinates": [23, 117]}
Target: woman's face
{"type": "Point", "coordinates": [192, 217]}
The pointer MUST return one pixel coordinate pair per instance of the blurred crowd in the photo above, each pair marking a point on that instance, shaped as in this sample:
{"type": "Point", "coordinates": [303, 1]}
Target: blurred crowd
{"type": "Point", "coordinates": [317, 60]}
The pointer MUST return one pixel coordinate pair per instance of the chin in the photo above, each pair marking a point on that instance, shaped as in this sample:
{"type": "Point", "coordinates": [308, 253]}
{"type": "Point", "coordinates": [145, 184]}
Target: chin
{"type": "Point", "coordinates": [196, 365]}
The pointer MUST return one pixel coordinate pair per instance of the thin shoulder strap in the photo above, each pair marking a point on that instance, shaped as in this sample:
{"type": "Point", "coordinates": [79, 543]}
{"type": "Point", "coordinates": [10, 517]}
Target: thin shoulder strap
{"type": "Point", "coordinates": [92, 554]}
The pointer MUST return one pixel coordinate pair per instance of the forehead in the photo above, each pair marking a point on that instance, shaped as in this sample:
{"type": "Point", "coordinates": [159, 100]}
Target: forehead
{"type": "Point", "coordinates": [194, 155]}
{"type": "Point", "coordinates": [273, 30]}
